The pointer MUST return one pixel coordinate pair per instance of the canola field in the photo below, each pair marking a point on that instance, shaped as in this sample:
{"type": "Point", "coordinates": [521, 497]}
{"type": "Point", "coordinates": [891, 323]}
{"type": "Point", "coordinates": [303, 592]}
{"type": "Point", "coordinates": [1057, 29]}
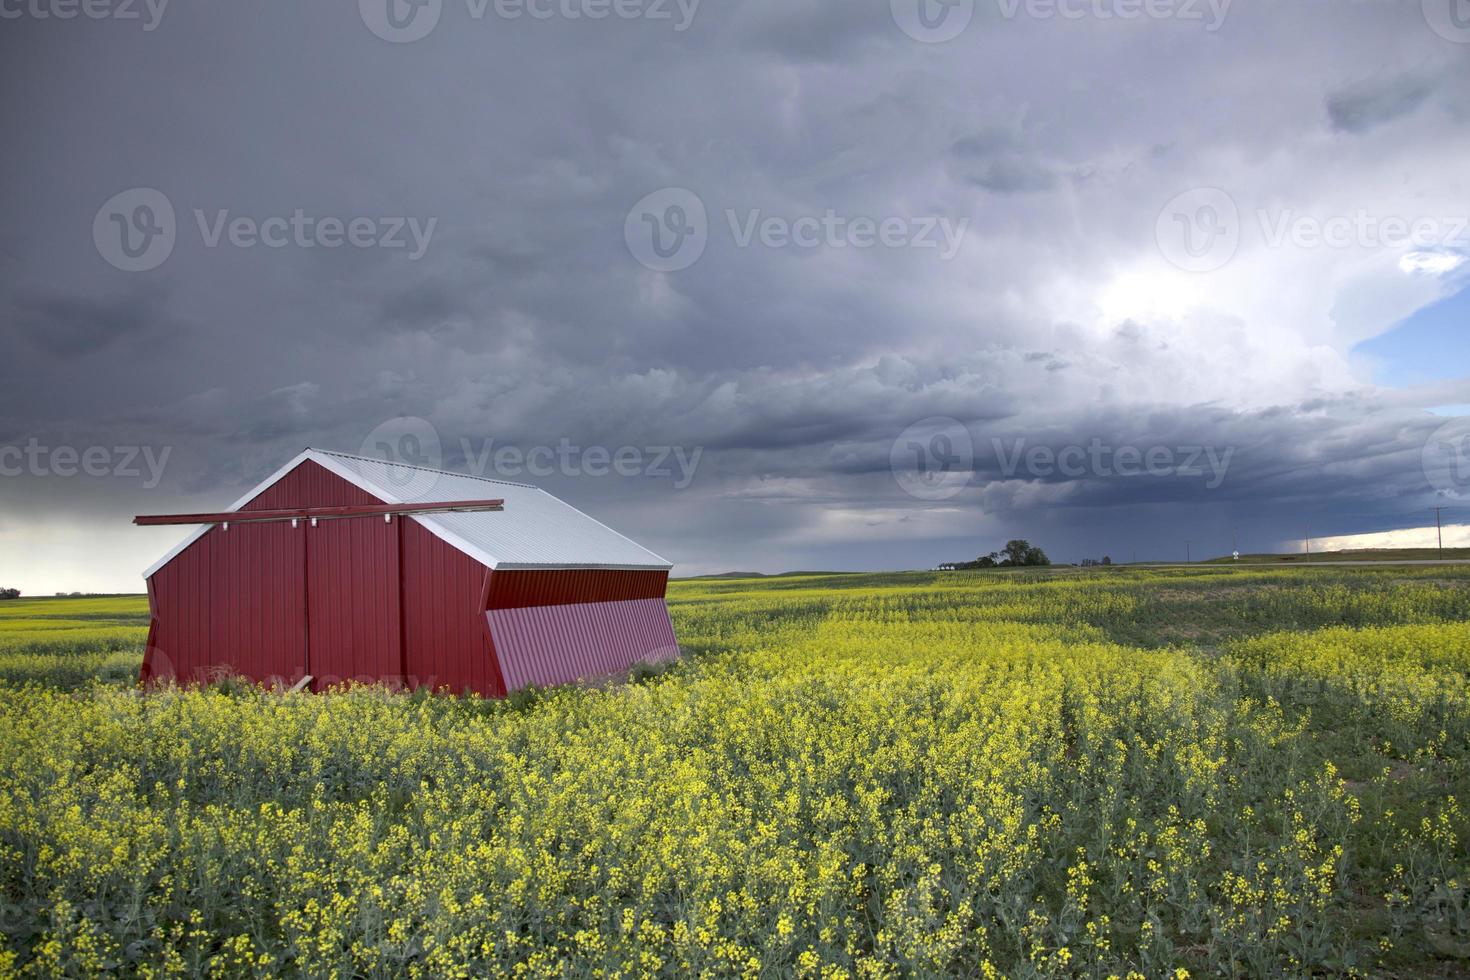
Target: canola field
{"type": "Point", "coordinates": [1123, 773]}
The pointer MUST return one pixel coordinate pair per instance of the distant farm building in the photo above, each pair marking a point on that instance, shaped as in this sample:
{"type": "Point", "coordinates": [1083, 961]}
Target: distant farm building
{"type": "Point", "coordinates": [343, 569]}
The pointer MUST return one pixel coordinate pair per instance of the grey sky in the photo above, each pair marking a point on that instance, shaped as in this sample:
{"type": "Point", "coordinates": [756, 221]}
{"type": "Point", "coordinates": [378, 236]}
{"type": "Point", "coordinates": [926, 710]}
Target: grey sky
{"type": "Point", "coordinates": [829, 150]}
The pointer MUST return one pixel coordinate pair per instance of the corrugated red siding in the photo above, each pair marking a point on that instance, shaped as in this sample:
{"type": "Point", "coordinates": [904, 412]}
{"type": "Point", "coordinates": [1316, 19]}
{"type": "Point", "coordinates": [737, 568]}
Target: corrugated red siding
{"type": "Point", "coordinates": [447, 645]}
{"type": "Point", "coordinates": [146, 674]}
{"type": "Point", "coordinates": [547, 645]}
{"type": "Point", "coordinates": [232, 602]}
{"type": "Point", "coordinates": [352, 585]}
{"type": "Point", "coordinates": [555, 587]}
{"type": "Point", "coordinates": [310, 485]}
{"type": "Point", "coordinates": [256, 615]}
{"type": "Point", "coordinates": [180, 597]}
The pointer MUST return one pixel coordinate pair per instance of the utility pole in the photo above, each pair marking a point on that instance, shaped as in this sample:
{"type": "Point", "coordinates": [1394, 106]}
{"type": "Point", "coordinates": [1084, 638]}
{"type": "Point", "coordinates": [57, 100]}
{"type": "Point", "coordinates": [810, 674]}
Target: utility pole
{"type": "Point", "coordinates": [1187, 560]}
{"type": "Point", "coordinates": [1439, 530]}
{"type": "Point", "coordinates": [1307, 540]}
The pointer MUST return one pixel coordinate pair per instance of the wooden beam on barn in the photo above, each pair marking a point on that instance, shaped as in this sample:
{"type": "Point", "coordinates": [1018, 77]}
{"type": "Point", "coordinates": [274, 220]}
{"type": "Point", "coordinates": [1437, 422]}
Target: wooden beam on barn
{"type": "Point", "coordinates": [387, 511]}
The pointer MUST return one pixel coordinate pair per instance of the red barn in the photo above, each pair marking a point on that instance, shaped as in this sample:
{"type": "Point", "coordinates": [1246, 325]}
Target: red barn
{"type": "Point", "coordinates": [340, 568]}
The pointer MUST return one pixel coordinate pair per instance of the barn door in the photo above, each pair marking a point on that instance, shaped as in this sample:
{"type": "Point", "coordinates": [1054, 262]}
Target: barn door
{"type": "Point", "coordinates": [352, 601]}
{"type": "Point", "coordinates": [255, 621]}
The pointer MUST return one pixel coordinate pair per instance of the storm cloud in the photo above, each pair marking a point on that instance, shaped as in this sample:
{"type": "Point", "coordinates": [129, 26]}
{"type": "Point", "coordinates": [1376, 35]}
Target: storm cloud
{"type": "Point", "coordinates": [785, 305]}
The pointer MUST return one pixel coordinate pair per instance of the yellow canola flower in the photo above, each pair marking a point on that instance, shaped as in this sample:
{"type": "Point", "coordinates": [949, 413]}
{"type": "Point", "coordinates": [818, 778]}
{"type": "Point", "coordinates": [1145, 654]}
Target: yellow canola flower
{"type": "Point", "coordinates": [881, 777]}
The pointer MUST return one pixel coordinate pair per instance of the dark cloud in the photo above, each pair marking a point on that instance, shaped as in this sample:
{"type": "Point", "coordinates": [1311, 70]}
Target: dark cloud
{"type": "Point", "coordinates": [422, 305]}
{"type": "Point", "coordinates": [993, 160]}
{"type": "Point", "coordinates": [1366, 105]}
{"type": "Point", "coordinates": [816, 30]}
{"type": "Point", "coordinates": [527, 320]}
{"type": "Point", "coordinates": [1011, 175]}
{"type": "Point", "coordinates": [67, 325]}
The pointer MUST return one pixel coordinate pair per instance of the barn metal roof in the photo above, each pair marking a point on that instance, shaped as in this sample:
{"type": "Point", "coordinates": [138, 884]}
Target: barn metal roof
{"type": "Point", "coordinates": [536, 530]}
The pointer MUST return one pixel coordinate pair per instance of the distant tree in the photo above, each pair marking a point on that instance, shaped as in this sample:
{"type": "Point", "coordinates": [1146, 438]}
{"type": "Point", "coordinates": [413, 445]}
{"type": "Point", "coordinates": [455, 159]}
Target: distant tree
{"type": "Point", "coordinates": [1015, 554]}
{"type": "Point", "coordinates": [1107, 560]}
{"type": "Point", "coordinates": [1015, 551]}
{"type": "Point", "coordinates": [9, 593]}
{"type": "Point", "coordinates": [1019, 552]}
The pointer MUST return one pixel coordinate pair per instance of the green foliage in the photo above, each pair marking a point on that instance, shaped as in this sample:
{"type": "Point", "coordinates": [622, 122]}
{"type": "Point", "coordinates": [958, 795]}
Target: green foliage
{"type": "Point", "coordinates": [1017, 553]}
{"type": "Point", "coordinates": [1020, 552]}
{"type": "Point", "coordinates": [1040, 774]}
{"type": "Point", "coordinates": [68, 642]}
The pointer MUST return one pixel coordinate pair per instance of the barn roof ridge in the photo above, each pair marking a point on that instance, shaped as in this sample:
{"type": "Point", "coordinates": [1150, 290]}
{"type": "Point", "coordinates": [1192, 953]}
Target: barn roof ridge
{"type": "Point", "coordinates": [425, 469]}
